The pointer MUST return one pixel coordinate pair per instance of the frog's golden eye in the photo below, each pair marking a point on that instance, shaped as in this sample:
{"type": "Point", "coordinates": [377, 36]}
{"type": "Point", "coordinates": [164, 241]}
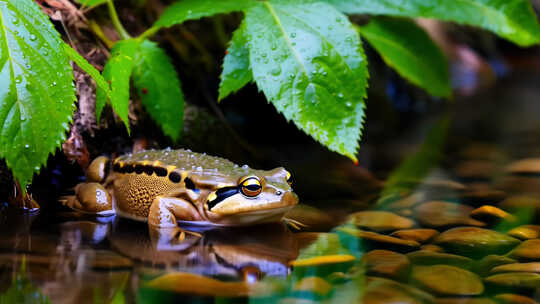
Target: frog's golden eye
{"type": "Point", "coordinates": [251, 186]}
{"type": "Point", "coordinates": [289, 178]}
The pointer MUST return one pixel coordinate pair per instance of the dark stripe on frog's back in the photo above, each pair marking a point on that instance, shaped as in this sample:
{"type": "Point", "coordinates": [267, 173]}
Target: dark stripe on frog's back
{"type": "Point", "coordinates": [186, 160]}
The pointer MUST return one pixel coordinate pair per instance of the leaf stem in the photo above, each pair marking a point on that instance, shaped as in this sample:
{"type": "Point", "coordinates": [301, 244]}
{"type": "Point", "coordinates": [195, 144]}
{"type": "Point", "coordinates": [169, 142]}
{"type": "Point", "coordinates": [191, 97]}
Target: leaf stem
{"type": "Point", "coordinates": [116, 21]}
{"type": "Point", "coordinates": [149, 32]}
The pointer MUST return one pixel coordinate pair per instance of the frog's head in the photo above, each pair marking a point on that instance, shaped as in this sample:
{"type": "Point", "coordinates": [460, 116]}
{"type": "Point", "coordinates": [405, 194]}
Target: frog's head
{"type": "Point", "coordinates": [254, 198]}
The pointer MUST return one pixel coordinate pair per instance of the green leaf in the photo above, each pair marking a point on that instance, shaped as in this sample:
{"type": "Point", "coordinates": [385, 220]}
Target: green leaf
{"type": "Point", "coordinates": [195, 9]}
{"type": "Point", "coordinates": [514, 20]}
{"type": "Point", "coordinates": [36, 88]}
{"type": "Point", "coordinates": [407, 48]}
{"type": "Point", "coordinates": [90, 3]}
{"type": "Point", "coordinates": [159, 88]}
{"type": "Point", "coordinates": [117, 72]}
{"type": "Point", "coordinates": [307, 59]}
{"type": "Point", "coordinates": [236, 70]}
{"type": "Point", "coordinates": [88, 68]}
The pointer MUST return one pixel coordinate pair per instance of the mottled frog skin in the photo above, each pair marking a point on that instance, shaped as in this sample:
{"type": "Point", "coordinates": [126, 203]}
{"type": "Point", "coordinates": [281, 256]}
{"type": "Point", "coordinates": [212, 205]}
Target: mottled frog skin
{"type": "Point", "coordinates": [164, 187]}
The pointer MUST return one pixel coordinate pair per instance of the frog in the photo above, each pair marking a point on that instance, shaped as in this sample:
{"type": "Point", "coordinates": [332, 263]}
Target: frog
{"type": "Point", "coordinates": [173, 188]}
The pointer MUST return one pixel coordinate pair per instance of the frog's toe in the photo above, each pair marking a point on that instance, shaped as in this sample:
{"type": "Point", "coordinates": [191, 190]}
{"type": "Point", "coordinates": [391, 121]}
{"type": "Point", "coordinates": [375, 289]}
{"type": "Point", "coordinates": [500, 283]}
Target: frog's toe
{"type": "Point", "coordinates": [90, 198]}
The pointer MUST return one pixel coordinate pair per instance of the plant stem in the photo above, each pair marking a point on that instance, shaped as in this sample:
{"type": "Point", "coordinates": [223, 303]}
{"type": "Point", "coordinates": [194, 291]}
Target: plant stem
{"type": "Point", "coordinates": [149, 32]}
{"type": "Point", "coordinates": [116, 22]}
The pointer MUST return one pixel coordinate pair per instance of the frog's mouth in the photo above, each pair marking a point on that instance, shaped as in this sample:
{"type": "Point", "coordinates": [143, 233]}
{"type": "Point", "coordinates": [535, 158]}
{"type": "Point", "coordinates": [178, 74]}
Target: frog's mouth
{"type": "Point", "coordinates": [245, 206]}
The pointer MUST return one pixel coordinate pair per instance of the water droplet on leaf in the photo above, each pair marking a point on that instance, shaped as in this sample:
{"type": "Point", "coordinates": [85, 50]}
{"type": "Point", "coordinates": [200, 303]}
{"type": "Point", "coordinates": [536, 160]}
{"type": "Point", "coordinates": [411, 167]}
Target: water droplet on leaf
{"type": "Point", "coordinates": [276, 71]}
{"type": "Point", "coordinates": [33, 37]}
{"type": "Point", "coordinates": [293, 35]}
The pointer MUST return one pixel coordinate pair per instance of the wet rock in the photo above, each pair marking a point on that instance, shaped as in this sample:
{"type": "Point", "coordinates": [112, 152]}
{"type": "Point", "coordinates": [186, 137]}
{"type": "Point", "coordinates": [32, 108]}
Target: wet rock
{"type": "Point", "coordinates": [528, 250]}
{"type": "Point", "coordinates": [518, 280]}
{"type": "Point", "coordinates": [520, 202]}
{"type": "Point", "coordinates": [447, 280]}
{"type": "Point", "coordinates": [188, 283]}
{"type": "Point", "coordinates": [323, 260]}
{"type": "Point", "coordinates": [520, 184]}
{"type": "Point", "coordinates": [528, 166]}
{"type": "Point", "coordinates": [418, 235]}
{"type": "Point", "coordinates": [475, 169]}
{"type": "Point", "coordinates": [510, 298]}
{"type": "Point", "coordinates": [518, 267]}
{"type": "Point", "coordinates": [311, 218]}
{"type": "Point", "coordinates": [432, 248]}
{"type": "Point", "coordinates": [380, 220]}
{"type": "Point", "coordinates": [480, 193]}
{"type": "Point", "coordinates": [439, 214]}
{"type": "Point", "coordinates": [475, 242]}
{"type": "Point", "coordinates": [462, 300]}
{"type": "Point", "coordinates": [315, 285]}
{"type": "Point", "coordinates": [407, 202]}
{"type": "Point", "coordinates": [384, 291]}
{"type": "Point", "coordinates": [386, 264]}
{"type": "Point", "coordinates": [423, 257]}
{"type": "Point", "coordinates": [484, 266]}
{"type": "Point", "coordinates": [491, 215]}
{"type": "Point", "coordinates": [525, 232]}
{"type": "Point", "coordinates": [376, 240]}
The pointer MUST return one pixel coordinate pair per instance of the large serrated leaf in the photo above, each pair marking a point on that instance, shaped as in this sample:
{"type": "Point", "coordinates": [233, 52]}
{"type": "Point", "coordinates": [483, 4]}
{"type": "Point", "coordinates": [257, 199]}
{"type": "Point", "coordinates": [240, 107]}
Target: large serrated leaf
{"type": "Point", "coordinates": [88, 68]}
{"type": "Point", "coordinates": [307, 59]}
{"type": "Point", "coordinates": [514, 20]}
{"type": "Point", "coordinates": [195, 9]}
{"type": "Point", "coordinates": [159, 87]}
{"type": "Point", "coordinates": [407, 48]}
{"type": "Point", "coordinates": [117, 72]}
{"type": "Point", "coordinates": [236, 70]}
{"type": "Point", "coordinates": [36, 88]}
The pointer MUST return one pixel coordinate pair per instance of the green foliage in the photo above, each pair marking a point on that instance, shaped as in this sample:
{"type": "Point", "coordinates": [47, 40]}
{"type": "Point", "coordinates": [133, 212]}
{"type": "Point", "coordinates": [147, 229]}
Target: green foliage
{"type": "Point", "coordinates": [159, 88]}
{"type": "Point", "coordinates": [514, 20]}
{"type": "Point", "coordinates": [307, 59]}
{"type": "Point", "coordinates": [118, 72]}
{"type": "Point", "coordinates": [36, 88]}
{"type": "Point", "coordinates": [90, 3]}
{"type": "Point", "coordinates": [236, 71]}
{"type": "Point", "coordinates": [407, 48]}
{"type": "Point", "coordinates": [196, 9]}
{"type": "Point", "coordinates": [88, 68]}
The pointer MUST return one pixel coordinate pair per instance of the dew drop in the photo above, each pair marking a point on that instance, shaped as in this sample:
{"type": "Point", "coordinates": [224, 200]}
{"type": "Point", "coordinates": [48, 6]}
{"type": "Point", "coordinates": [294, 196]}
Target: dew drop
{"type": "Point", "coordinates": [273, 47]}
{"type": "Point", "coordinates": [33, 37]}
{"type": "Point", "coordinates": [15, 21]}
{"type": "Point", "coordinates": [53, 84]}
{"type": "Point", "coordinates": [189, 12]}
{"type": "Point", "coordinates": [348, 104]}
{"type": "Point", "coordinates": [18, 79]}
{"type": "Point", "coordinates": [245, 167]}
{"type": "Point", "coordinates": [291, 76]}
{"type": "Point", "coordinates": [263, 55]}
{"type": "Point", "coordinates": [340, 95]}
{"type": "Point", "coordinates": [311, 94]}
{"type": "Point", "coordinates": [36, 168]}
{"type": "Point", "coordinates": [27, 146]}
{"type": "Point", "coordinates": [293, 35]}
{"type": "Point", "coordinates": [276, 71]}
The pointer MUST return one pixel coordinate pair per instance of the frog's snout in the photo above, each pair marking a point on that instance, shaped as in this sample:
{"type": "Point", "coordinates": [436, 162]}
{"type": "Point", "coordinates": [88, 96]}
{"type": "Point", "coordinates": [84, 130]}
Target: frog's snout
{"type": "Point", "coordinates": [289, 199]}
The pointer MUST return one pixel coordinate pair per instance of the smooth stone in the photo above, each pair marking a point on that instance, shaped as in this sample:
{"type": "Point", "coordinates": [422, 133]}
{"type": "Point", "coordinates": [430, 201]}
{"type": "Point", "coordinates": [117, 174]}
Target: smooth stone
{"type": "Point", "coordinates": [481, 193]}
{"type": "Point", "coordinates": [447, 280]}
{"type": "Point", "coordinates": [379, 240]}
{"type": "Point", "coordinates": [484, 266]}
{"type": "Point", "coordinates": [528, 250]}
{"type": "Point", "coordinates": [491, 214]}
{"type": "Point", "coordinates": [385, 291]}
{"type": "Point", "coordinates": [524, 166]}
{"type": "Point", "coordinates": [386, 263]}
{"type": "Point", "coordinates": [423, 257]}
{"type": "Point", "coordinates": [520, 185]}
{"type": "Point", "coordinates": [520, 202]}
{"type": "Point", "coordinates": [462, 300]}
{"type": "Point", "coordinates": [188, 283]}
{"type": "Point", "coordinates": [475, 169]}
{"type": "Point", "coordinates": [518, 267]}
{"type": "Point", "coordinates": [315, 285]}
{"type": "Point", "coordinates": [420, 235]}
{"type": "Point", "coordinates": [525, 232]}
{"type": "Point", "coordinates": [510, 298]}
{"type": "Point", "coordinates": [432, 248]}
{"type": "Point", "coordinates": [380, 220]}
{"type": "Point", "coordinates": [521, 280]}
{"type": "Point", "coordinates": [438, 214]}
{"type": "Point", "coordinates": [407, 202]}
{"type": "Point", "coordinates": [475, 242]}
{"type": "Point", "coordinates": [323, 260]}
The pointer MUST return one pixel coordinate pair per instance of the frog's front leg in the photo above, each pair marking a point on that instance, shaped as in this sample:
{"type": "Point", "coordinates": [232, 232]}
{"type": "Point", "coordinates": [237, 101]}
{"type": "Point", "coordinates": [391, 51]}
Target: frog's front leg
{"type": "Point", "coordinates": [165, 212]}
{"type": "Point", "coordinates": [90, 198]}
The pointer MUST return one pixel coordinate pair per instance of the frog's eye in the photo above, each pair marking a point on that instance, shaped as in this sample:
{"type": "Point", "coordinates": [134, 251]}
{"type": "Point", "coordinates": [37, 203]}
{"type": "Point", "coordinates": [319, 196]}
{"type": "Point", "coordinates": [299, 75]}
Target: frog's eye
{"type": "Point", "coordinates": [251, 186]}
{"type": "Point", "coordinates": [289, 178]}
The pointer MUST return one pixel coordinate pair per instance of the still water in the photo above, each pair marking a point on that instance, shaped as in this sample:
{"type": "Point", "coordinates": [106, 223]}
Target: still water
{"type": "Point", "coordinates": [448, 213]}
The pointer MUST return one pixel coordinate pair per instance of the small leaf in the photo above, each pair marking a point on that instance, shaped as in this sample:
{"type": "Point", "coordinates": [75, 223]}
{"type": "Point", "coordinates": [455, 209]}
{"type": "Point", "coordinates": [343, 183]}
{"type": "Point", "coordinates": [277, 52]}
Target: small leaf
{"type": "Point", "coordinates": [195, 9]}
{"type": "Point", "coordinates": [236, 71]}
{"type": "Point", "coordinates": [88, 68]}
{"type": "Point", "coordinates": [514, 20]}
{"type": "Point", "coordinates": [407, 48]}
{"type": "Point", "coordinates": [36, 88]}
{"type": "Point", "coordinates": [159, 88]}
{"type": "Point", "coordinates": [307, 59]}
{"type": "Point", "coordinates": [117, 72]}
{"type": "Point", "coordinates": [90, 3]}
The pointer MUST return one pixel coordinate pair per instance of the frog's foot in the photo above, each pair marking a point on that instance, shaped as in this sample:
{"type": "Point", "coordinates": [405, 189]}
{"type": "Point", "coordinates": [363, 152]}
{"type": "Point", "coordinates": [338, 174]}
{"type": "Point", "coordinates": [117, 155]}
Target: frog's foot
{"type": "Point", "coordinates": [294, 223]}
{"type": "Point", "coordinates": [90, 198]}
{"type": "Point", "coordinates": [166, 211]}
